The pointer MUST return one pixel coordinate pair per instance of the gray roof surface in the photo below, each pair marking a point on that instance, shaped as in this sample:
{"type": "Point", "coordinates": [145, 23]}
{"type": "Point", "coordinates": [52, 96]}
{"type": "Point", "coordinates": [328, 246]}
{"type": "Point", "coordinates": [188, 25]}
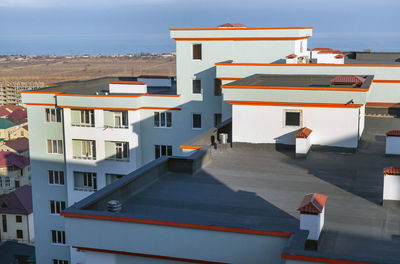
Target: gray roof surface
{"type": "Point", "coordinates": [99, 85]}
{"type": "Point", "coordinates": [294, 81]}
{"type": "Point", "coordinates": [11, 250]}
{"type": "Point", "coordinates": [255, 186]}
{"type": "Point", "coordinates": [18, 201]}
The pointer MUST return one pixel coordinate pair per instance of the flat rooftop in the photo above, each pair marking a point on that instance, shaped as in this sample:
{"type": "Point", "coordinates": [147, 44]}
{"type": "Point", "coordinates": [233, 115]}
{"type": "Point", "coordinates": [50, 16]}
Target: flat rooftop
{"type": "Point", "coordinates": [99, 85]}
{"type": "Point", "coordinates": [277, 80]}
{"type": "Point", "coordinates": [255, 186]}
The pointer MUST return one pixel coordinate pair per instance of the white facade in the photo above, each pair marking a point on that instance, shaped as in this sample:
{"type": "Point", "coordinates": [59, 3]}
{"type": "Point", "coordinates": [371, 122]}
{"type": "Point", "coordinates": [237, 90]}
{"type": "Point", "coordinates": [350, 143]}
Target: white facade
{"type": "Point", "coordinates": [328, 58]}
{"type": "Point", "coordinates": [391, 187]}
{"type": "Point", "coordinates": [128, 88]}
{"type": "Point", "coordinates": [26, 226]}
{"type": "Point", "coordinates": [338, 127]}
{"type": "Point", "coordinates": [303, 145]}
{"type": "Point", "coordinates": [313, 223]}
{"type": "Point", "coordinates": [392, 145]}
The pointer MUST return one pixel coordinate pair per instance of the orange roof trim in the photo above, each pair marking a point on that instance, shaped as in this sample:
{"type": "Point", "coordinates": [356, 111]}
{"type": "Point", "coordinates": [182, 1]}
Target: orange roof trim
{"type": "Point", "coordinates": [240, 39]}
{"type": "Point", "coordinates": [395, 170]}
{"type": "Point", "coordinates": [190, 147]}
{"type": "Point", "coordinates": [306, 65]}
{"type": "Point", "coordinates": [121, 109]}
{"type": "Point", "coordinates": [128, 82]}
{"type": "Point", "coordinates": [323, 260]}
{"type": "Point", "coordinates": [295, 104]}
{"type": "Point", "coordinates": [240, 28]}
{"type": "Point", "coordinates": [330, 51]}
{"type": "Point", "coordinates": [113, 95]}
{"type": "Point", "coordinates": [296, 88]}
{"type": "Point", "coordinates": [386, 81]}
{"type": "Point", "coordinates": [393, 133]}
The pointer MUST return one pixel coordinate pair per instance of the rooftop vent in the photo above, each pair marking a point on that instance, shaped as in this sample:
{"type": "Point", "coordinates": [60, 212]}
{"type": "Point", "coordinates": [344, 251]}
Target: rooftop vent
{"type": "Point", "coordinates": [340, 56]}
{"type": "Point", "coordinates": [291, 56]}
{"type": "Point", "coordinates": [391, 185]}
{"type": "Point", "coordinates": [232, 25]}
{"type": "Point", "coordinates": [114, 206]}
{"type": "Point", "coordinates": [312, 217]}
{"type": "Point", "coordinates": [348, 80]}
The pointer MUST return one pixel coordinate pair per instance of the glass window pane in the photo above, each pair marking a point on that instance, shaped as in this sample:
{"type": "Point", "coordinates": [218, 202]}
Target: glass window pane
{"type": "Point", "coordinates": [61, 177]}
{"type": "Point", "coordinates": [60, 147]}
{"type": "Point", "coordinates": [163, 150]}
{"type": "Point", "coordinates": [51, 177]}
{"type": "Point", "coordinates": [53, 236]}
{"type": "Point", "coordinates": [197, 51]}
{"type": "Point", "coordinates": [197, 86]}
{"type": "Point", "coordinates": [53, 115]}
{"type": "Point", "coordinates": [169, 119]}
{"type": "Point", "coordinates": [54, 146]}
{"type": "Point", "coordinates": [47, 115]}
{"type": "Point", "coordinates": [217, 87]}
{"type": "Point", "coordinates": [156, 119]}
{"type": "Point", "coordinates": [52, 207]}
{"type": "Point", "coordinates": [56, 177]}
{"type": "Point", "coordinates": [292, 119]}
{"type": "Point", "coordinates": [49, 146]}
{"type": "Point", "coordinates": [157, 151]}
{"type": "Point", "coordinates": [124, 118]}
{"type": "Point", "coordinates": [58, 115]}
{"type": "Point", "coordinates": [196, 121]}
{"type": "Point", "coordinates": [169, 150]}
{"type": "Point", "coordinates": [163, 119]}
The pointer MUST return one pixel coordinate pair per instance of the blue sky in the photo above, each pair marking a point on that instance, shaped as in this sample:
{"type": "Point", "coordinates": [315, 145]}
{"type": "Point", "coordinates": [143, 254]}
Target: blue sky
{"type": "Point", "coordinates": [129, 26]}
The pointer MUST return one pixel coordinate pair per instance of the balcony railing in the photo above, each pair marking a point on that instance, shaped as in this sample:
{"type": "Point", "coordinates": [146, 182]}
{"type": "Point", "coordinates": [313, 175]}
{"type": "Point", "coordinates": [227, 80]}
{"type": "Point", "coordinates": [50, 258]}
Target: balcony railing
{"type": "Point", "coordinates": [121, 126]}
{"type": "Point", "coordinates": [82, 125]}
{"type": "Point", "coordinates": [84, 157]}
{"type": "Point", "coordinates": [85, 189]}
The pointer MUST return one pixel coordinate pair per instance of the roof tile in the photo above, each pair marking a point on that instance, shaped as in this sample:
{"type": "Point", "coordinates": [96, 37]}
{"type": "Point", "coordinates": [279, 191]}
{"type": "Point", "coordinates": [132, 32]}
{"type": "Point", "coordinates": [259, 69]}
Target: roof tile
{"type": "Point", "coordinates": [348, 79]}
{"type": "Point", "coordinates": [330, 51]}
{"type": "Point", "coordinates": [313, 203]}
{"type": "Point", "coordinates": [291, 56]}
{"type": "Point", "coordinates": [232, 25]}
{"type": "Point", "coordinates": [393, 133]}
{"type": "Point", "coordinates": [395, 170]}
{"type": "Point", "coordinates": [303, 133]}
{"type": "Point", "coordinates": [18, 201]}
{"type": "Point", "coordinates": [8, 159]}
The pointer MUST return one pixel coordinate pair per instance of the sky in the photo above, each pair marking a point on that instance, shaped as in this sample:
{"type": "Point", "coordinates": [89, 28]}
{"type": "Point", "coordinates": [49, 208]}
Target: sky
{"type": "Point", "coordinates": [69, 27]}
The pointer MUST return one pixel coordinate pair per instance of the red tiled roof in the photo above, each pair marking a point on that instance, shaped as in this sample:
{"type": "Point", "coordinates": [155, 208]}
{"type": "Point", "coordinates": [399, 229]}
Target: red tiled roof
{"type": "Point", "coordinates": [127, 82]}
{"type": "Point", "coordinates": [154, 76]}
{"type": "Point", "coordinates": [330, 51]}
{"type": "Point", "coordinates": [308, 49]}
{"type": "Point", "coordinates": [321, 49]}
{"type": "Point", "coordinates": [339, 56]}
{"type": "Point", "coordinates": [19, 144]}
{"type": "Point", "coordinates": [18, 113]}
{"type": "Point", "coordinates": [303, 133]}
{"type": "Point", "coordinates": [348, 79]}
{"type": "Point", "coordinates": [393, 133]}
{"type": "Point", "coordinates": [313, 203]}
{"type": "Point", "coordinates": [395, 170]}
{"type": "Point", "coordinates": [232, 25]}
{"type": "Point", "coordinates": [17, 120]}
{"type": "Point", "coordinates": [18, 201]}
{"type": "Point", "coordinates": [10, 108]}
{"type": "Point", "coordinates": [3, 112]}
{"type": "Point", "coordinates": [8, 159]}
{"type": "Point", "coordinates": [291, 56]}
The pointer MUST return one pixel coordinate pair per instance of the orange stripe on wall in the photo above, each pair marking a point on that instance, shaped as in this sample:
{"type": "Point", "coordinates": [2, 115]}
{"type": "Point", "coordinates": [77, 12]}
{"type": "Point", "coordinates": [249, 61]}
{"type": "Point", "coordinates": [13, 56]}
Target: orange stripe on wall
{"type": "Point", "coordinates": [184, 225]}
{"type": "Point", "coordinates": [148, 255]}
{"type": "Point", "coordinates": [39, 92]}
{"type": "Point", "coordinates": [238, 39]}
{"type": "Point", "coordinates": [306, 65]}
{"type": "Point", "coordinates": [40, 104]}
{"type": "Point", "coordinates": [113, 95]}
{"type": "Point", "coordinates": [295, 88]}
{"type": "Point", "coordinates": [190, 147]}
{"type": "Point", "coordinates": [229, 79]}
{"type": "Point", "coordinates": [295, 104]}
{"type": "Point", "coordinates": [242, 28]}
{"type": "Point", "coordinates": [323, 260]}
{"type": "Point", "coordinates": [378, 104]}
{"type": "Point", "coordinates": [121, 109]}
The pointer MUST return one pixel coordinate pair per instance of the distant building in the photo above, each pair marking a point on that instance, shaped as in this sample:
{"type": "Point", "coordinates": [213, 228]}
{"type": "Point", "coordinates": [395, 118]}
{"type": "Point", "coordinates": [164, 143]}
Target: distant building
{"type": "Point", "coordinates": [19, 145]}
{"type": "Point", "coordinates": [17, 216]}
{"type": "Point", "coordinates": [6, 128]}
{"type": "Point", "coordinates": [21, 132]}
{"type": "Point", "coordinates": [14, 171]}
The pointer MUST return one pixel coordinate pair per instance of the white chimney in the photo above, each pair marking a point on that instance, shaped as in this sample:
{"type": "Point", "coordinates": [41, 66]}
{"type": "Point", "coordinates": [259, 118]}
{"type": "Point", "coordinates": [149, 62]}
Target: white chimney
{"type": "Point", "coordinates": [312, 215]}
{"type": "Point", "coordinates": [391, 184]}
{"type": "Point", "coordinates": [128, 87]}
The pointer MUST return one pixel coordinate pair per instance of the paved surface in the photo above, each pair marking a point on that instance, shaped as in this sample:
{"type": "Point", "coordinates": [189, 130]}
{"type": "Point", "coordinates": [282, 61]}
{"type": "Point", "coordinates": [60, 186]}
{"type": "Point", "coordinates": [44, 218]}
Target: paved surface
{"type": "Point", "coordinates": [255, 186]}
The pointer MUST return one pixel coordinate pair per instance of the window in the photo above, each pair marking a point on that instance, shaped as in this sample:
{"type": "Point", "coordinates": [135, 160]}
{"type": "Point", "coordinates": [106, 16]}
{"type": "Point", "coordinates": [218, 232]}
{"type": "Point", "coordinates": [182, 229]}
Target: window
{"type": "Point", "coordinates": [85, 181]}
{"type": "Point", "coordinates": [7, 181]}
{"type": "Point", "coordinates": [4, 221]}
{"type": "Point", "coordinates": [56, 177]}
{"type": "Point", "coordinates": [196, 87]}
{"type": "Point", "coordinates": [20, 234]}
{"type": "Point", "coordinates": [121, 119]}
{"type": "Point", "coordinates": [58, 237]}
{"type": "Point", "coordinates": [162, 150]}
{"type": "Point", "coordinates": [87, 118]}
{"type": "Point", "coordinates": [197, 51]}
{"type": "Point", "coordinates": [16, 183]}
{"type": "Point", "coordinates": [121, 150]}
{"type": "Point", "coordinates": [54, 146]}
{"type": "Point", "coordinates": [59, 261]}
{"type": "Point", "coordinates": [110, 178]}
{"type": "Point", "coordinates": [292, 118]}
{"type": "Point", "coordinates": [22, 133]}
{"type": "Point", "coordinates": [196, 121]}
{"type": "Point", "coordinates": [53, 115]}
{"type": "Point", "coordinates": [1, 181]}
{"type": "Point", "coordinates": [217, 119]}
{"type": "Point", "coordinates": [162, 119]}
{"type": "Point", "coordinates": [217, 87]}
{"type": "Point", "coordinates": [56, 206]}
{"type": "Point", "coordinates": [88, 149]}
{"type": "Point", "coordinates": [18, 218]}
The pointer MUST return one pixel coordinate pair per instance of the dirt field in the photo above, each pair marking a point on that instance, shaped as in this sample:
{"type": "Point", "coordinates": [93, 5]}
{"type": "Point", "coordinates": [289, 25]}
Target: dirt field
{"type": "Point", "coordinates": [56, 70]}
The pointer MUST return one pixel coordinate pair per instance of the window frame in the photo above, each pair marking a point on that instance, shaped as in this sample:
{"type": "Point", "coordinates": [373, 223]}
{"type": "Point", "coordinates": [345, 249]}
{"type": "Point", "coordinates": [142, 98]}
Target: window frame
{"type": "Point", "coordinates": [168, 151]}
{"type": "Point", "coordinates": [215, 119]}
{"type": "Point", "coordinates": [56, 207]}
{"type": "Point", "coordinates": [217, 87]}
{"type": "Point", "coordinates": [293, 111]}
{"type": "Point", "coordinates": [158, 117]}
{"type": "Point", "coordinates": [18, 232]}
{"type": "Point", "coordinates": [124, 150]}
{"type": "Point", "coordinates": [193, 53]}
{"type": "Point", "coordinates": [60, 175]}
{"type": "Point", "coordinates": [58, 143]}
{"type": "Point", "coordinates": [48, 115]}
{"type": "Point", "coordinates": [58, 237]}
{"type": "Point", "coordinates": [201, 121]}
{"type": "Point", "coordinates": [90, 183]}
{"type": "Point", "coordinates": [18, 219]}
{"type": "Point", "coordinates": [201, 89]}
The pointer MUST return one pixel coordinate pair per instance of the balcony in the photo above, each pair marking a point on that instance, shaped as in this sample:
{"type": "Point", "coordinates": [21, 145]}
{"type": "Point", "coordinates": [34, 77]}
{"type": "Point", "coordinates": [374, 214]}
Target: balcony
{"type": "Point", "coordinates": [82, 118]}
{"type": "Point", "coordinates": [116, 119]}
{"type": "Point", "coordinates": [84, 149]}
{"type": "Point", "coordinates": [85, 181]}
{"type": "Point", "coordinates": [117, 151]}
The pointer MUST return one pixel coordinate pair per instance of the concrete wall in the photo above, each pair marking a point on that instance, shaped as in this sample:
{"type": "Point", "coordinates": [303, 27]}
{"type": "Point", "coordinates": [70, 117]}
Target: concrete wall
{"type": "Point", "coordinates": [176, 242]}
{"type": "Point", "coordinates": [393, 145]}
{"type": "Point", "coordinates": [265, 124]}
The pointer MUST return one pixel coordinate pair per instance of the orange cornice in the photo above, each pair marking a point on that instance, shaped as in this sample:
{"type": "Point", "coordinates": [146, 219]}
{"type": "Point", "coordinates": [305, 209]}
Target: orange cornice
{"type": "Point", "coordinates": [175, 259]}
{"type": "Point", "coordinates": [39, 92]}
{"type": "Point", "coordinates": [323, 260]}
{"type": "Point", "coordinates": [39, 104]}
{"type": "Point", "coordinates": [295, 88]}
{"type": "Point", "coordinates": [295, 104]}
{"type": "Point", "coordinates": [241, 28]}
{"type": "Point", "coordinates": [113, 95]}
{"type": "Point", "coordinates": [386, 81]}
{"type": "Point", "coordinates": [306, 65]}
{"type": "Point", "coordinates": [380, 104]}
{"type": "Point", "coordinates": [184, 225]}
{"type": "Point", "coordinates": [239, 39]}
{"type": "Point", "coordinates": [121, 109]}
{"type": "Point", "coordinates": [190, 147]}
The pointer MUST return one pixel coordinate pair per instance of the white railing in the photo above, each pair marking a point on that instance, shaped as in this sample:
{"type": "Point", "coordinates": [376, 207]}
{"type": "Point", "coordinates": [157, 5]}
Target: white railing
{"type": "Point", "coordinates": [84, 157]}
{"type": "Point", "coordinates": [85, 189]}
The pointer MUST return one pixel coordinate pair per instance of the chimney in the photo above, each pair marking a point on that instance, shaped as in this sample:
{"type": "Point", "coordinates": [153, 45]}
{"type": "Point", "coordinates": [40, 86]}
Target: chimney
{"type": "Point", "coordinates": [391, 185]}
{"type": "Point", "coordinates": [312, 215]}
{"type": "Point", "coordinates": [114, 206]}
